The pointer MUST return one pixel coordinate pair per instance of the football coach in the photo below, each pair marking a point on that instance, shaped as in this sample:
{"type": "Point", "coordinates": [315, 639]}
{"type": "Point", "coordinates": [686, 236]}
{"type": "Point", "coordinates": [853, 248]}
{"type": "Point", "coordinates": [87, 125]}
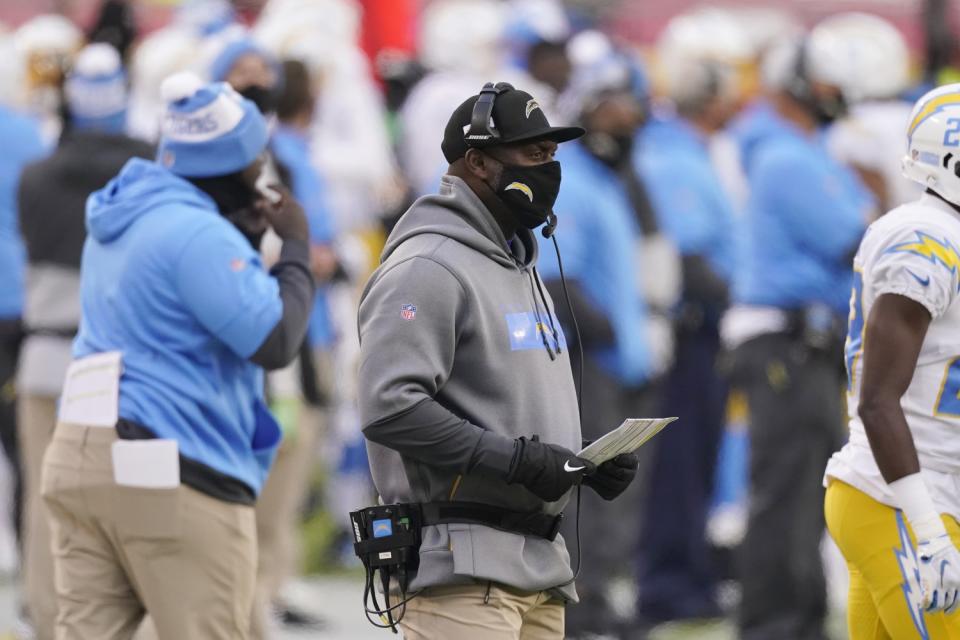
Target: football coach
{"type": "Point", "coordinates": [466, 393]}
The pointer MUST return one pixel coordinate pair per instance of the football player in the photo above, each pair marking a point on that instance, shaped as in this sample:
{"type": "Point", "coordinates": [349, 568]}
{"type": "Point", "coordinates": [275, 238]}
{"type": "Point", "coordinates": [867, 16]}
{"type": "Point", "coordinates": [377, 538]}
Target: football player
{"type": "Point", "coordinates": [893, 492]}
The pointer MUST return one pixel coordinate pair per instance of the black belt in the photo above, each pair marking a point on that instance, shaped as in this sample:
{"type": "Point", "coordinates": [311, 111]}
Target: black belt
{"type": "Point", "coordinates": [541, 525]}
{"type": "Point", "coordinates": [67, 333]}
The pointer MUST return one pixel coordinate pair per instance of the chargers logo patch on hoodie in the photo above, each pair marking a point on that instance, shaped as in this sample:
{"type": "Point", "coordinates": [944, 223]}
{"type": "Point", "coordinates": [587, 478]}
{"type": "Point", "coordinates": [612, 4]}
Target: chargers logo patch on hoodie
{"type": "Point", "coordinates": [526, 332]}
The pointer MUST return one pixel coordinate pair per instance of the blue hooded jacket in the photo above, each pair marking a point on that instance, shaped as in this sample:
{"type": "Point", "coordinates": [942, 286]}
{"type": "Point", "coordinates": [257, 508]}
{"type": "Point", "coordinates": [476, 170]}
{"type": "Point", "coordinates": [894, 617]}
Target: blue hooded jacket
{"type": "Point", "coordinates": [292, 149]}
{"type": "Point", "coordinates": [687, 196]}
{"type": "Point", "coordinates": [597, 236]}
{"type": "Point", "coordinates": [170, 283]}
{"type": "Point", "coordinates": [804, 220]}
{"type": "Point", "coordinates": [21, 146]}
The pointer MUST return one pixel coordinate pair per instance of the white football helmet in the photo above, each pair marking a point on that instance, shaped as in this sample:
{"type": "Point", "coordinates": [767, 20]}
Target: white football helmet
{"type": "Point", "coordinates": [933, 142]}
{"type": "Point", "coordinates": [878, 53]}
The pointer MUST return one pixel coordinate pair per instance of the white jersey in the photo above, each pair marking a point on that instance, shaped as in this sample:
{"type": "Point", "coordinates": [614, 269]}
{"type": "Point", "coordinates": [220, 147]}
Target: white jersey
{"type": "Point", "coordinates": [913, 251]}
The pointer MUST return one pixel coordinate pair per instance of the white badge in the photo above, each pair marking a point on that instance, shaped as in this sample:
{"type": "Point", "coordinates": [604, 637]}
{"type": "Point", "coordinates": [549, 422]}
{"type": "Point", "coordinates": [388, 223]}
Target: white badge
{"type": "Point", "coordinates": [91, 391]}
{"type": "Point", "coordinates": [148, 464]}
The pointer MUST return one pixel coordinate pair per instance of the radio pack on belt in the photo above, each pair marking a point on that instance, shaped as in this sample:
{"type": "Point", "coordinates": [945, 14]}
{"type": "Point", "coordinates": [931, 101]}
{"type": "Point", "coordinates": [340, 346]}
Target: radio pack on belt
{"type": "Point", "coordinates": [387, 538]}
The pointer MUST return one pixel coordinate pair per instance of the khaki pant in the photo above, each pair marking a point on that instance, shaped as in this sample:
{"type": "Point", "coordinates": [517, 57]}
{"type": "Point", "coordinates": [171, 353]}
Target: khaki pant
{"type": "Point", "coordinates": [187, 558]}
{"type": "Point", "coordinates": [36, 419]}
{"type": "Point", "coordinates": [469, 612]}
{"type": "Point", "coordinates": [277, 510]}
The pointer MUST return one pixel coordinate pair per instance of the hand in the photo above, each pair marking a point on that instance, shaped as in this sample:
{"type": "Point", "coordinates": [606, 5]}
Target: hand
{"type": "Point", "coordinates": [939, 564]}
{"type": "Point", "coordinates": [286, 216]}
{"type": "Point", "coordinates": [323, 262]}
{"type": "Point", "coordinates": [614, 476]}
{"type": "Point", "coordinates": [548, 471]}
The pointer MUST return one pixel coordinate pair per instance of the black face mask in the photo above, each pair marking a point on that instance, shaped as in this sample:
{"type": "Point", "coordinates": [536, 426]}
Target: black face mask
{"type": "Point", "coordinates": [613, 150]}
{"type": "Point", "coordinates": [827, 110]}
{"type": "Point", "coordinates": [235, 200]}
{"type": "Point", "coordinates": [264, 97]}
{"type": "Point", "coordinates": [529, 192]}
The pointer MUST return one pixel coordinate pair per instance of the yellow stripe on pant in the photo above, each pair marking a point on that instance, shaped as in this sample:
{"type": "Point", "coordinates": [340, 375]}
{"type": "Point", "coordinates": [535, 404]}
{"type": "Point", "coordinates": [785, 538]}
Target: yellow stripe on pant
{"type": "Point", "coordinates": [879, 547]}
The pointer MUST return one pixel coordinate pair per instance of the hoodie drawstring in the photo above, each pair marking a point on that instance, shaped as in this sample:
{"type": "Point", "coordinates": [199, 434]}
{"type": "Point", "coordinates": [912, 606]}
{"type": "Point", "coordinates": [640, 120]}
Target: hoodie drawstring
{"type": "Point", "coordinates": [541, 327]}
{"type": "Point", "coordinates": [550, 317]}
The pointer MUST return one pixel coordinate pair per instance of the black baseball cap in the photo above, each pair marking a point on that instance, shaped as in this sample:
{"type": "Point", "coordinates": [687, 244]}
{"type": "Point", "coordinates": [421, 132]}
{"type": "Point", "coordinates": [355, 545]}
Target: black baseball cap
{"type": "Point", "coordinates": [517, 116]}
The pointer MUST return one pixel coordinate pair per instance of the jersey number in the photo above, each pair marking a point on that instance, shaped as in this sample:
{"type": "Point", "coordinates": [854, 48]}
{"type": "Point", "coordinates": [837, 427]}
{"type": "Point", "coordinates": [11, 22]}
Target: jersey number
{"type": "Point", "coordinates": [951, 137]}
{"type": "Point", "coordinates": [948, 402]}
{"type": "Point", "coordinates": [854, 347]}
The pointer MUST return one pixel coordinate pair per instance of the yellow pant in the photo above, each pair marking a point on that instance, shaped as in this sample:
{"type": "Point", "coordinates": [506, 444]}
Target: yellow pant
{"type": "Point", "coordinates": [877, 542]}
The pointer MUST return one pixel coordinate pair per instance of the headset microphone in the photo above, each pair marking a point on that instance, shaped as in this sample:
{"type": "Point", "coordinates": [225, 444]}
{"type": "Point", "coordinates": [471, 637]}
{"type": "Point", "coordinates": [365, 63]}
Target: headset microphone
{"type": "Point", "coordinates": [550, 227]}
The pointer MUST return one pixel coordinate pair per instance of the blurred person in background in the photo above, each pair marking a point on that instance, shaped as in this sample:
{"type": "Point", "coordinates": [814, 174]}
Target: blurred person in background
{"type": "Point", "coordinates": [677, 577]}
{"type": "Point", "coordinates": [601, 249]}
{"type": "Point", "coordinates": [251, 71]}
{"type": "Point", "coordinates": [870, 138]}
{"type": "Point", "coordinates": [22, 145]}
{"type": "Point", "coordinates": [349, 137]}
{"type": "Point", "coordinates": [804, 219]}
{"type": "Point", "coordinates": [172, 48]}
{"type": "Point", "coordinates": [351, 148]}
{"type": "Point", "coordinates": [115, 25]}
{"type": "Point", "coordinates": [156, 463]}
{"type": "Point", "coordinates": [719, 35]}
{"type": "Point", "coordinates": [52, 200]}
{"type": "Point", "coordinates": [256, 75]}
{"type": "Point", "coordinates": [461, 44]}
{"type": "Point", "coordinates": [283, 495]}
{"type": "Point", "coordinates": [535, 35]}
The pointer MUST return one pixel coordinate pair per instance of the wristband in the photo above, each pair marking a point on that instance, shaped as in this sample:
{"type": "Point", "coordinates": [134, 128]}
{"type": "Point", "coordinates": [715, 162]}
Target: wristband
{"type": "Point", "coordinates": [912, 497]}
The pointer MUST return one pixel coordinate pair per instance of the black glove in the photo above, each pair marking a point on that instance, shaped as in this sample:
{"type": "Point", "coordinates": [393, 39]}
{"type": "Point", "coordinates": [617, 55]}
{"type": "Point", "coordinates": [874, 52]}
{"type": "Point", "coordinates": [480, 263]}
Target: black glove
{"type": "Point", "coordinates": [546, 470]}
{"type": "Point", "coordinates": [614, 476]}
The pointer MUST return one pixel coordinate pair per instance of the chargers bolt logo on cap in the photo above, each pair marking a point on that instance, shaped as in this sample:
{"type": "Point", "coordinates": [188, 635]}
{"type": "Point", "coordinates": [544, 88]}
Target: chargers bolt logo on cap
{"type": "Point", "coordinates": [532, 105]}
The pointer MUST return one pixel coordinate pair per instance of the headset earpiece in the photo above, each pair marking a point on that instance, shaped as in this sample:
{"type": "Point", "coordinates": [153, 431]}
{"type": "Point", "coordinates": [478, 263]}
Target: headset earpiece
{"type": "Point", "coordinates": [482, 131]}
{"type": "Point", "coordinates": [799, 86]}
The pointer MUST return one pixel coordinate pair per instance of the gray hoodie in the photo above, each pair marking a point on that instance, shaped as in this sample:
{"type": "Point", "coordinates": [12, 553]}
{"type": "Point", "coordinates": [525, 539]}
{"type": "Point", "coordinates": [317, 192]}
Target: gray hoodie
{"type": "Point", "coordinates": [458, 358]}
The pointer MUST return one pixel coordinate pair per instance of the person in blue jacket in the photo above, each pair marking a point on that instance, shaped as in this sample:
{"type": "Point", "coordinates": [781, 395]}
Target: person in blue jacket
{"type": "Point", "coordinates": [598, 238]}
{"type": "Point", "coordinates": [286, 489]}
{"type": "Point", "coordinates": [164, 439]}
{"type": "Point", "coordinates": [804, 220]}
{"type": "Point", "coordinates": [22, 145]}
{"type": "Point", "coordinates": [677, 578]}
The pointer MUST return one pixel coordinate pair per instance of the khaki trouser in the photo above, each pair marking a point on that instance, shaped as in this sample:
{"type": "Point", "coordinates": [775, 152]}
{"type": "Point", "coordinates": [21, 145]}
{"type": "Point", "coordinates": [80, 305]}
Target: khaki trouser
{"type": "Point", "coordinates": [471, 612]}
{"type": "Point", "coordinates": [277, 510]}
{"type": "Point", "coordinates": [36, 419]}
{"type": "Point", "coordinates": [120, 551]}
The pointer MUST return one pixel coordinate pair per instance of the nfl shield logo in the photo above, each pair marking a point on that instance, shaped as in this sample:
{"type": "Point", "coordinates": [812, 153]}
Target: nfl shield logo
{"type": "Point", "coordinates": [408, 312]}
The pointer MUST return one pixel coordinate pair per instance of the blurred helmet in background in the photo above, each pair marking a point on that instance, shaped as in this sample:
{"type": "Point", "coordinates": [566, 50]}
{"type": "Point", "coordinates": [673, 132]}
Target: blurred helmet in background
{"type": "Point", "coordinates": [816, 70]}
{"type": "Point", "coordinates": [878, 53]}
{"type": "Point", "coordinates": [764, 27]}
{"type": "Point", "coordinates": [706, 34]}
{"type": "Point", "coordinates": [531, 22]}
{"type": "Point", "coordinates": [933, 142]}
{"type": "Point", "coordinates": [463, 35]}
{"type": "Point", "coordinates": [702, 55]}
{"type": "Point", "coordinates": [158, 56]}
{"type": "Point", "coordinates": [322, 34]}
{"type": "Point", "coordinates": [46, 45]}
{"type": "Point", "coordinates": [284, 22]}
{"type": "Point", "coordinates": [600, 69]}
